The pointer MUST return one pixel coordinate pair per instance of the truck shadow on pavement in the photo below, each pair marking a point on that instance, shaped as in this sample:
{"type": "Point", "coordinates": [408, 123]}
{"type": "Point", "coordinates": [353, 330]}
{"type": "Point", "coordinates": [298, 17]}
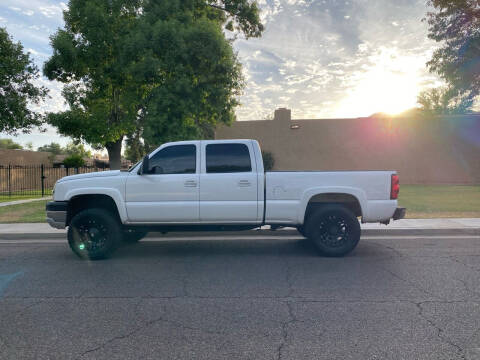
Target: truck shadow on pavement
{"type": "Point", "coordinates": [238, 248]}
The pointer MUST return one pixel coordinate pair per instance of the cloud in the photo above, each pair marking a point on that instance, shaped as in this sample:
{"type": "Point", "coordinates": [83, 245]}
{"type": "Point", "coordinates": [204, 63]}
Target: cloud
{"type": "Point", "coordinates": [51, 10]}
{"type": "Point", "coordinates": [27, 12]}
{"type": "Point", "coordinates": [36, 53]}
{"type": "Point", "coordinates": [55, 101]}
{"type": "Point", "coordinates": [318, 64]}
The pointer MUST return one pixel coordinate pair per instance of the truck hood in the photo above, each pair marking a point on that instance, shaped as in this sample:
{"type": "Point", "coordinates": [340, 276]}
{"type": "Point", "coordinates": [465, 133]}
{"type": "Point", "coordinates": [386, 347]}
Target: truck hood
{"type": "Point", "coordinates": [91, 175]}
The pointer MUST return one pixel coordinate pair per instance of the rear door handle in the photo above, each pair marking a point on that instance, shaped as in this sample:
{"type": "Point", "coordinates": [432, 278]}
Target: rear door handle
{"type": "Point", "coordinates": [244, 183]}
{"type": "Point", "coordinates": [190, 183]}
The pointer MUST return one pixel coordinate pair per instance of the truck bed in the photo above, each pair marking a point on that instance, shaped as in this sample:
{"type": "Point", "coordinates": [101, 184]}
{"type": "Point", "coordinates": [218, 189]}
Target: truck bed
{"type": "Point", "coordinates": [288, 191]}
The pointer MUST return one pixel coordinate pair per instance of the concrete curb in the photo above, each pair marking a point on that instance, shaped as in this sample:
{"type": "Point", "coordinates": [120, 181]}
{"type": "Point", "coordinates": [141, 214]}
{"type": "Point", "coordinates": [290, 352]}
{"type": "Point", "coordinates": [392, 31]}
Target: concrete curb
{"type": "Point", "coordinates": [277, 233]}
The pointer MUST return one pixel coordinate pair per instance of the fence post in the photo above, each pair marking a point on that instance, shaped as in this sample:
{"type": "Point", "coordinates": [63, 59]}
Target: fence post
{"type": "Point", "coordinates": [9, 180]}
{"type": "Point", "coordinates": [42, 172]}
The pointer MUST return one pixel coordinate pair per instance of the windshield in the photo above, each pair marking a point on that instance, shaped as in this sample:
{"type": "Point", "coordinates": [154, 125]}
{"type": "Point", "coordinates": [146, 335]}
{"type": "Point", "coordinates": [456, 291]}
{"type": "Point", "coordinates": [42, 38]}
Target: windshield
{"type": "Point", "coordinates": [134, 166]}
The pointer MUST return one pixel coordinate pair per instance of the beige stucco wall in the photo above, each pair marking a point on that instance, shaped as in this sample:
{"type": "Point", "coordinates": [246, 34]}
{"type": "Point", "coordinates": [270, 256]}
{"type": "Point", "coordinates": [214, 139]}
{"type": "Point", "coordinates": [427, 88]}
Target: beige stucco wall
{"type": "Point", "coordinates": [24, 157]}
{"type": "Point", "coordinates": [435, 151]}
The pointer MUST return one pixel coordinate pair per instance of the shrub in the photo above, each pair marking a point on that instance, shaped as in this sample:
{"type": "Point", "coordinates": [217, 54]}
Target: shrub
{"type": "Point", "coordinates": [268, 160]}
{"type": "Point", "coordinates": [74, 161]}
{"type": "Point", "coordinates": [100, 164]}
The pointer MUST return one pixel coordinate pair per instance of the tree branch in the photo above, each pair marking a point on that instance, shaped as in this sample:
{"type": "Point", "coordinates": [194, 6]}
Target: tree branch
{"type": "Point", "coordinates": [217, 7]}
{"type": "Point", "coordinates": [220, 8]}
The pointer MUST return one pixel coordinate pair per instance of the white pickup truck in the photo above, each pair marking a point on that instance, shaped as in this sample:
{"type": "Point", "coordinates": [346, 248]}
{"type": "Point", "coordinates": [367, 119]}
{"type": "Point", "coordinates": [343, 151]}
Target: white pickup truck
{"type": "Point", "coordinates": [218, 185]}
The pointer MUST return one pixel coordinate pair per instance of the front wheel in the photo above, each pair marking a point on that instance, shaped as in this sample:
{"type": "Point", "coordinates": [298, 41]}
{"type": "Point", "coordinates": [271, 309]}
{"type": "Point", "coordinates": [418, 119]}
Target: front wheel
{"type": "Point", "coordinates": [93, 234]}
{"type": "Point", "coordinates": [334, 230]}
{"type": "Point", "coordinates": [301, 230]}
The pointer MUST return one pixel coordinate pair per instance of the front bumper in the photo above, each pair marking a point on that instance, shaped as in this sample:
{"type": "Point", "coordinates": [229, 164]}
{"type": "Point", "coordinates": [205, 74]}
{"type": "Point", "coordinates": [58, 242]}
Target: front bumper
{"type": "Point", "coordinates": [57, 214]}
{"type": "Point", "coordinates": [399, 213]}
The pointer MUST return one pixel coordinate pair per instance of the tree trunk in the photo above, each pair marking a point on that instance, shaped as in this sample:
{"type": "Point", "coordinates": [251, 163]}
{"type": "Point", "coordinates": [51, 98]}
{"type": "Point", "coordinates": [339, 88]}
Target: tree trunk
{"type": "Point", "coordinates": [115, 154]}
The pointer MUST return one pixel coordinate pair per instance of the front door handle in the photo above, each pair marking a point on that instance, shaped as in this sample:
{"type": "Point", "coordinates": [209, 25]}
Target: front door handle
{"type": "Point", "coordinates": [190, 183]}
{"type": "Point", "coordinates": [244, 183]}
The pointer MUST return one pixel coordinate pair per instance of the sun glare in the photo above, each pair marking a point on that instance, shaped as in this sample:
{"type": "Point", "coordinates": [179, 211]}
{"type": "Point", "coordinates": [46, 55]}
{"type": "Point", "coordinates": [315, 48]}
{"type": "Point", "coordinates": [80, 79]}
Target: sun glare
{"type": "Point", "coordinates": [390, 85]}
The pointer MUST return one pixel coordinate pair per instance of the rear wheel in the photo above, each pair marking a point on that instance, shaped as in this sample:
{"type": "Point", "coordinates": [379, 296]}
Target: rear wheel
{"type": "Point", "coordinates": [93, 234]}
{"type": "Point", "coordinates": [333, 229]}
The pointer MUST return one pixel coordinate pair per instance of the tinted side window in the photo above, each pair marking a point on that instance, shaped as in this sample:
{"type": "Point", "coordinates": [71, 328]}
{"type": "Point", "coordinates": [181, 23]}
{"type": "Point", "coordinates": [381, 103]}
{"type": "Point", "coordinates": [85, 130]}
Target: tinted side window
{"type": "Point", "coordinates": [176, 159]}
{"type": "Point", "coordinates": [228, 158]}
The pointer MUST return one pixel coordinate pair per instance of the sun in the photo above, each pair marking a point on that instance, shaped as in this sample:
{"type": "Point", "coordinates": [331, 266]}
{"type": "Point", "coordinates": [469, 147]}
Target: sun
{"type": "Point", "coordinates": [389, 85]}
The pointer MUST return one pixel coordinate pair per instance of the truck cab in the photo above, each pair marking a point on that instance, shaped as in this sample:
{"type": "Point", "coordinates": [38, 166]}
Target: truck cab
{"type": "Point", "coordinates": [198, 182]}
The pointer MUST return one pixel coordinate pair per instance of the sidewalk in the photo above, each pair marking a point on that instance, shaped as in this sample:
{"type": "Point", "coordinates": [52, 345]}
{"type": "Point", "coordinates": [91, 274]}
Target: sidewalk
{"type": "Point", "coordinates": [16, 202]}
{"type": "Point", "coordinates": [405, 227]}
{"type": "Point", "coordinates": [447, 223]}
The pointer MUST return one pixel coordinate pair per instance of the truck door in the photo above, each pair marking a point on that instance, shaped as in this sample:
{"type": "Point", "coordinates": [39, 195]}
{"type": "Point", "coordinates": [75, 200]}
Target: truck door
{"type": "Point", "coordinates": [228, 183]}
{"type": "Point", "coordinates": [169, 193]}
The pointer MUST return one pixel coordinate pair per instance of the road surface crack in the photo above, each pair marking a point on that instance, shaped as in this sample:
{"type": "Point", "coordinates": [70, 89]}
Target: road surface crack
{"type": "Point", "coordinates": [439, 330]}
{"type": "Point", "coordinates": [143, 327]}
{"type": "Point", "coordinates": [465, 264]}
{"type": "Point", "coordinates": [285, 325]}
{"type": "Point", "coordinates": [407, 281]}
{"type": "Point", "coordinates": [288, 278]}
{"type": "Point", "coordinates": [466, 287]}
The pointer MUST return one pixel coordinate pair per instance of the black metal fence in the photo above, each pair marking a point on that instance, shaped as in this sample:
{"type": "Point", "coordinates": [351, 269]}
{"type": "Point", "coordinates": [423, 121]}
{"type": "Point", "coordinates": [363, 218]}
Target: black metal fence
{"type": "Point", "coordinates": [34, 180]}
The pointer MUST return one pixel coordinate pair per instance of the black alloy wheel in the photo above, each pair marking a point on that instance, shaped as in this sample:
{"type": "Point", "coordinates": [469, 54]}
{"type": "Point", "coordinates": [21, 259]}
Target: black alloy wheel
{"type": "Point", "coordinates": [334, 230]}
{"type": "Point", "coordinates": [93, 234]}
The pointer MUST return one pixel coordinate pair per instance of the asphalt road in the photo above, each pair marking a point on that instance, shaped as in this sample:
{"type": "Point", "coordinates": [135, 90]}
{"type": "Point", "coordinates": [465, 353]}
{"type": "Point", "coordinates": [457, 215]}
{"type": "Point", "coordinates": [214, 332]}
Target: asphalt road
{"type": "Point", "coordinates": [264, 298]}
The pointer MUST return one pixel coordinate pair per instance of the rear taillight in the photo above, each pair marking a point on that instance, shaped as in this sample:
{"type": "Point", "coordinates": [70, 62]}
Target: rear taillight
{"type": "Point", "coordinates": [395, 189]}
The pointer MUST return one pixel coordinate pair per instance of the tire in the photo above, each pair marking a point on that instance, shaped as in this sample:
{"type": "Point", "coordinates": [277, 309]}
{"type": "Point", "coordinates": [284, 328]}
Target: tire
{"type": "Point", "coordinates": [133, 236]}
{"type": "Point", "coordinates": [301, 230]}
{"type": "Point", "coordinates": [334, 230]}
{"type": "Point", "coordinates": [94, 234]}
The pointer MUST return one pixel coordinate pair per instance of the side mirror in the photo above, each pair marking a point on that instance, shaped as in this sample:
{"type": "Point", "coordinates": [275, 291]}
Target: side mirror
{"type": "Point", "coordinates": [157, 170]}
{"type": "Point", "coordinates": [146, 165]}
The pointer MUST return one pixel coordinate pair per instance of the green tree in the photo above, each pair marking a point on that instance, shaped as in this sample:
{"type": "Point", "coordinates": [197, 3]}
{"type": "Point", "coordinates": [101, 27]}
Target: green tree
{"type": "Point", "coordinates": [77, 149]}
{"type": "Point", "coordinates": [71, 149]}
{"type": "Point", "coordinates": [200, 77]}
{"type": "Point", "coordinates": [88, 57]}
{"type": "Point", "coordinates": [455, 24]}
{"type": "Point", "coordinates": [438, 101]}
{"type": "Point", "coordinates": [164, 67]}
{"type": "Point", "coordinates": [134, 149]}
{"type": "Point", "coordinates": [53, 148]}
{"type": "Point", "coordinates": [17, 90]}
{"type": "Point", "coordinates": [9, 144]}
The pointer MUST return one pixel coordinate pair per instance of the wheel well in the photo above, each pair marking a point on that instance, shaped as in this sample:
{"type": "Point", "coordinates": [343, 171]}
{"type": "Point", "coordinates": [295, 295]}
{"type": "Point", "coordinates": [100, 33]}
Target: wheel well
{"type": "Point", "coordinates": [82, 202]}
{"type": "Point", "coordinates": [347, 200]}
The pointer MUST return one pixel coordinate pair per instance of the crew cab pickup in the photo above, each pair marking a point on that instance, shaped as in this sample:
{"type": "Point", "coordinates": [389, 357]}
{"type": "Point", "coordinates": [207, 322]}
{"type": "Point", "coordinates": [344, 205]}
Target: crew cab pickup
{"type": "Point", "coordinates": [218, 185]}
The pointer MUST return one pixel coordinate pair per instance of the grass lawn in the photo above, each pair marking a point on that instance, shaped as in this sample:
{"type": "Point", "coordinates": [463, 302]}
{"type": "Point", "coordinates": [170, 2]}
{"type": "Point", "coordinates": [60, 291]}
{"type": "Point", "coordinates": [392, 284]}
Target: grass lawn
{"type": "Point", "coordinates": [421, 201]}
{"type": "Point", "coordinates": [33, 212]}
{"type": "Point", "coordinates": [19, 196]}
{"type": "Point", "coordinates": [440, 201]}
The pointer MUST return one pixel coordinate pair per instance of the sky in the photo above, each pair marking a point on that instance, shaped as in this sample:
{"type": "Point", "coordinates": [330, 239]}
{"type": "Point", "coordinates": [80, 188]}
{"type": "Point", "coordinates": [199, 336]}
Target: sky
{"type": "Point", "coordinates": [320, 58]}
